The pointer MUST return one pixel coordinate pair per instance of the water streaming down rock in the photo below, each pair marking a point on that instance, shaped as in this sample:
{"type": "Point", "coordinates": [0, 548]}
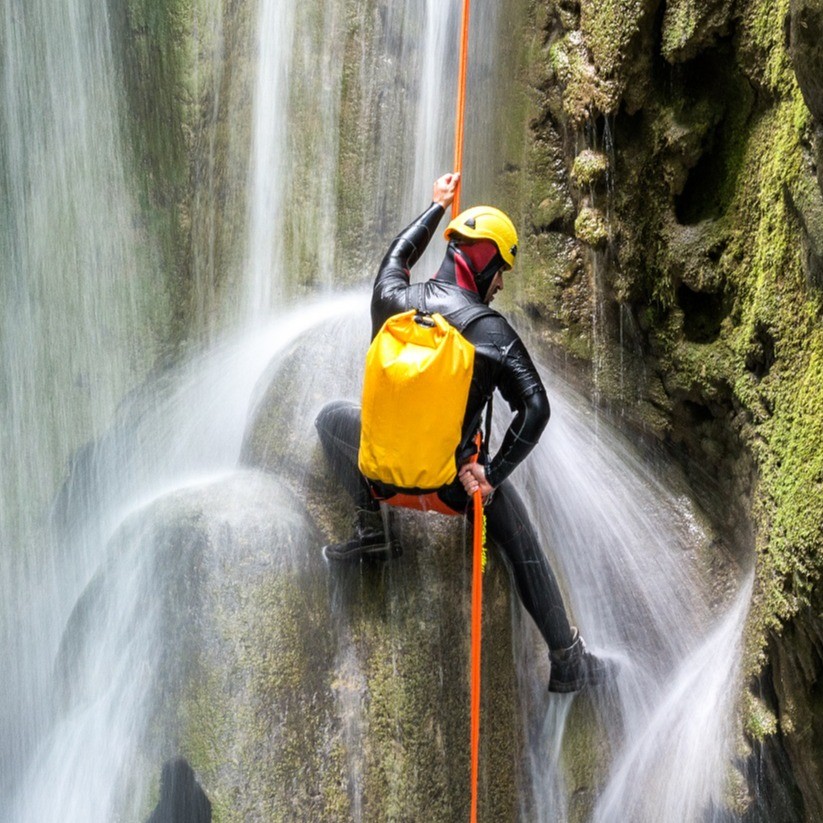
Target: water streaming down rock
{"type": "Point", "coordinates": [128, 639]}
{"type": "Point", "coordinates": [83, 314]}
{"type": "Point", "coordinates": [268, 174]}
{"type": "Point", "coordinates": [631, 550]}
{"type": "Point", "coordinates": [176, 545]}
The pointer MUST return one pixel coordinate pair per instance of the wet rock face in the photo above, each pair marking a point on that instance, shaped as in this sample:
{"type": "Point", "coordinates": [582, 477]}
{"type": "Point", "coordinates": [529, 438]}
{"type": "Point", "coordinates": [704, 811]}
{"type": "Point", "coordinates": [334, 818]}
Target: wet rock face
{"type": "Point", "coordinates": [297, 690]}
{"type": "Point", "coordinates": [804, 37]}
{"type": "Point", "coordinates": [689, 27]}
{"type": "Point", "coordinates": [698, 249]}
{"type": "Point", "coordinates": [797, 660]}
{"type": "Point", "coordinates": [805, 44]}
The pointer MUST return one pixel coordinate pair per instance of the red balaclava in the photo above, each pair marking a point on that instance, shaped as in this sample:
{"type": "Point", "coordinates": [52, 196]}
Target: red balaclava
{"type": "Point", "coordinates": [472, 259]}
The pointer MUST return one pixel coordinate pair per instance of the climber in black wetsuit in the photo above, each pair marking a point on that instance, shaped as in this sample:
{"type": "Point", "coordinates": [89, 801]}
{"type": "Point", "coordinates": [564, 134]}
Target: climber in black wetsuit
{"type": "Point", "coordinates": [483, 244]}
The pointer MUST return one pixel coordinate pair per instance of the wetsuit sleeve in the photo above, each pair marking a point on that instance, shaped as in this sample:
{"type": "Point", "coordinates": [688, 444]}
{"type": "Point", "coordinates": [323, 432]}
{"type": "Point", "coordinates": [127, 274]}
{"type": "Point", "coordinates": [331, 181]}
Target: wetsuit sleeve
{"type": "Point", "coordinates": [393, 276]}
{"type": "Point", "coordinates": [523, 390]}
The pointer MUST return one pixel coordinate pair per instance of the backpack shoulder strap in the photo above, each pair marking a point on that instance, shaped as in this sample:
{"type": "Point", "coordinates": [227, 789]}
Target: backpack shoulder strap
{"type": "Point", "coordinates": [460, 319]}
{"type": "Point", "coordinates": [464, 317]}
{"type": "Point", "coordinates": [416, 297]}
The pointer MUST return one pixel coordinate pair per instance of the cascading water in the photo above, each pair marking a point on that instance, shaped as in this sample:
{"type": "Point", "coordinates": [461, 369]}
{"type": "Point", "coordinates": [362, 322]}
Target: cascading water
{"type": "Point", "coordinates": [178, 435]}
{"type": "Point", "coordinates": [84, 574]}
{"type": "Point", "coordinates": [628, 548]}
{"type": "Point", "coordinates": [82, 314]}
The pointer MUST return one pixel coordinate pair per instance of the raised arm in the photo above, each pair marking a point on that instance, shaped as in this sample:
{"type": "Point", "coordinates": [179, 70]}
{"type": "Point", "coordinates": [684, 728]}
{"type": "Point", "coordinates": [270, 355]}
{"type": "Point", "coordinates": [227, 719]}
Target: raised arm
{"type": "Point", "coordinates": [407, 247]}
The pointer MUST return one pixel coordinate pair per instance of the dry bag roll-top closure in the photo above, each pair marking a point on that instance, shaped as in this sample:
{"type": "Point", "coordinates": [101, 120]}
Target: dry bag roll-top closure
{"type": "Point", "coordinates": [416, 385]}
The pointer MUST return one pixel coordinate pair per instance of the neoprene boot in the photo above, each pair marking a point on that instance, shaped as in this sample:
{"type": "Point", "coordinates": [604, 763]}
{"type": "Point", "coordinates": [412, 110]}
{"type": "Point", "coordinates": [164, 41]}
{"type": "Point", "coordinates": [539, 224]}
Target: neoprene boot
{"type": "Point", "coordinates": [576, 667]}
{"type": "Point", "coordinates": [372, 539]}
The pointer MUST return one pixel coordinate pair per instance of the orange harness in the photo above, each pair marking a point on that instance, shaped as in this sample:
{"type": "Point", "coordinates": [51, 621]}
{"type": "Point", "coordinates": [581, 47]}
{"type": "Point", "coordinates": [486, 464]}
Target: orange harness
{"type": "Point", "coordinates": [421, 502]}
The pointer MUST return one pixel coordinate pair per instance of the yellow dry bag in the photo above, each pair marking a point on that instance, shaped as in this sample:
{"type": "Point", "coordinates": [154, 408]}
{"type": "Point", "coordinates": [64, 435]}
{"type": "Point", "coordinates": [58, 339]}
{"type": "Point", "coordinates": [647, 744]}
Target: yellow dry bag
{"type": "Point", "coordinates": [416, 384]}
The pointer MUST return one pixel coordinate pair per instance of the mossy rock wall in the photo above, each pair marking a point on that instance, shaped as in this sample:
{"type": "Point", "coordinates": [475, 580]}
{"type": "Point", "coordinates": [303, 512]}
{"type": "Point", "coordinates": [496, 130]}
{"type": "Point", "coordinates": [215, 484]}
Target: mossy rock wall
{"type": "Point", "coordinates": [687, 277]}
{"type": "Point", "coordinates": [298, 690]}
{"type": "Point", "coordinates": [187, 112]}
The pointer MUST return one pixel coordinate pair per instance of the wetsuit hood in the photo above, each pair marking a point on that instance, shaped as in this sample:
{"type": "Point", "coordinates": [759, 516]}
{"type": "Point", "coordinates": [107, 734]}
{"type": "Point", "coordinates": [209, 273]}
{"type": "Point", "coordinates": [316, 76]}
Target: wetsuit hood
{"type": "Point", "coordinates": [461, 268]}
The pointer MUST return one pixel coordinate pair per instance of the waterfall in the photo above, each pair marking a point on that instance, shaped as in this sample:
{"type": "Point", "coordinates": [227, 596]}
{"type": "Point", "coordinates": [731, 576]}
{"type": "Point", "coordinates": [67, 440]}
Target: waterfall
{"type": "Point", "coordinates": [83, 312]}
{"type": "Point", "coordinates": [183, 434]}
{"type": "Point", "coordinates": [97, 435]}
{"type": "Point", "coordinates": [627, 544]}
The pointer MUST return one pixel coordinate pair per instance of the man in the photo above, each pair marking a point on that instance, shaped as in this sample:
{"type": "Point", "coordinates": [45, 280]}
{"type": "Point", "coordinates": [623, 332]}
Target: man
{"type": "Point", "coordinates": [482, 246]}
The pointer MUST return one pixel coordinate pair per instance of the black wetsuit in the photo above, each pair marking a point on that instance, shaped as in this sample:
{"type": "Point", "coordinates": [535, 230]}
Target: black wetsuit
{"type": "Point", "coordinates": [501, 362]}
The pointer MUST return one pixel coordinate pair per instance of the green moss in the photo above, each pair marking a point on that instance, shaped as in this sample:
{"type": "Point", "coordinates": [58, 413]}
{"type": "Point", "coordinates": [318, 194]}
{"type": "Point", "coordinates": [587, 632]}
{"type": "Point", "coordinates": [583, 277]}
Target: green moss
{"type": "Point", "coordinates": [618, 35]}
{"type": "Point", "coordinates": [553, 285]}
{"type": "Point", "coordinates": [792, 485]}
{"type": "Point", "coordinates": [590, 168]}
{"type": "Point", "coordinates": [700, 198]}
{"type": "Point", "coordinates": [762, 266]}
{"type": "Point", "coordinates": [255, 725]}
{"type": "Point", "coordinates": [204, 725]}
{"type": "Point", "coordinates": [762, 34]}
{"type": "Point", "coordinates": [545, 189]}
{"type": "Point", "coordinates": [155, 39]}
{"type": "Point", "coordinates": [758, 721]}
{"type": "Point", "coordinates": [585, 757]}
{"type": "Point", "coordinates": [772, 289]}
{"type": "Point", "coordinates": [353, 179]}
{"type": "Point", "coordinates": [592, 227]}
{"type": "Point", "coordinates": [679, 26]}
{"type": "Point", "coordinates": [689, 25]}
{"type": "Point", "coordinates": [585, 91]}
{"type": "Point", "coordinates": [610, 26]}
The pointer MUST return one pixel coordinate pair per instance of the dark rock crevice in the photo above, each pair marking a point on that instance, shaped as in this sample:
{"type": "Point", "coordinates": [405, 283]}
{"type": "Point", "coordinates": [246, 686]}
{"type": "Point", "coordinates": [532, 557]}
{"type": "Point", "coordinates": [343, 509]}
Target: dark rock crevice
{"type": "Point", "coordinates": [761, 355]}
{"type": "Point", "coordinates": [703, 313]}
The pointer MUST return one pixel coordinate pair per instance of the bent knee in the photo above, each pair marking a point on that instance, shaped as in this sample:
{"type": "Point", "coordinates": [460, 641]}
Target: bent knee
{"type": "Point", "coordinates": [337, 418]}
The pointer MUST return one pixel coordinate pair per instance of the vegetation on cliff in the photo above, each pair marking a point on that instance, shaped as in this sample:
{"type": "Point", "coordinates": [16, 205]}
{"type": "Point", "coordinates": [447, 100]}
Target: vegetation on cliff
{"type": "Point", "coordinates": [710, 281]}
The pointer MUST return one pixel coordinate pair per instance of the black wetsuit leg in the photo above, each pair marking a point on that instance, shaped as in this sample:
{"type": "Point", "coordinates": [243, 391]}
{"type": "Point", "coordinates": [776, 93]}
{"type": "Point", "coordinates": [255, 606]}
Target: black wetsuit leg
{"type": "Point", "coordinates": [338, 427]}
{"type": "Point", "coordinates": [510, 530]}
{"type": "Point", "coordinates": [507, 522]}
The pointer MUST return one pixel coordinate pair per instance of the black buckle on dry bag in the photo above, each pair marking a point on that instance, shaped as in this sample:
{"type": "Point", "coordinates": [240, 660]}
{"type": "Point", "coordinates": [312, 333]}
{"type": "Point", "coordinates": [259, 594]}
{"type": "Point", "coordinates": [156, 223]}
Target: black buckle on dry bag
{"type": "Point", "coordinates": [416, 299]}
{"type": "Point", "coordinates": [423, 319]}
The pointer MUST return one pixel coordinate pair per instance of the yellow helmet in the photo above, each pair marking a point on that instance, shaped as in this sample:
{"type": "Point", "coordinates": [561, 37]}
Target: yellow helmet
{"type": "Point", "coordinates": [486, 223]}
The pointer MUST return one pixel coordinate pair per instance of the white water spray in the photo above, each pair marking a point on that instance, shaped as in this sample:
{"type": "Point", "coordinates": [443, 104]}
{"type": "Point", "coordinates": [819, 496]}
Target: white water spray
{"type": "Point", "coordinates": [628, 548]}
{"type": "Point", "coordinates": [82, 309]}
{"type": "Point", "coordinates": [90, 759]}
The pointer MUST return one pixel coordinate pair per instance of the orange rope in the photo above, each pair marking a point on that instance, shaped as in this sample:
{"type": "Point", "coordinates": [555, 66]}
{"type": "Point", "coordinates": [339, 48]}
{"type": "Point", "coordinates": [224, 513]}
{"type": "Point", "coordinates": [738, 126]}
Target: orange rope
{"type": "Point", "coordinates": [477, 624]}
{"type": "Point", "coordinates": [477, 561]}
{"type": "Point", "coordinates": [461, 102]}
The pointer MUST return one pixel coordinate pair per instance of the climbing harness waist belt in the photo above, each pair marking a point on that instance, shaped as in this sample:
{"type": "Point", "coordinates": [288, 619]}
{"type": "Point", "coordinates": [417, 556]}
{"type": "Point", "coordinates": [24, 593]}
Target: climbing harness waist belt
{"type": "Point", "coordinates": [421, 502]}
